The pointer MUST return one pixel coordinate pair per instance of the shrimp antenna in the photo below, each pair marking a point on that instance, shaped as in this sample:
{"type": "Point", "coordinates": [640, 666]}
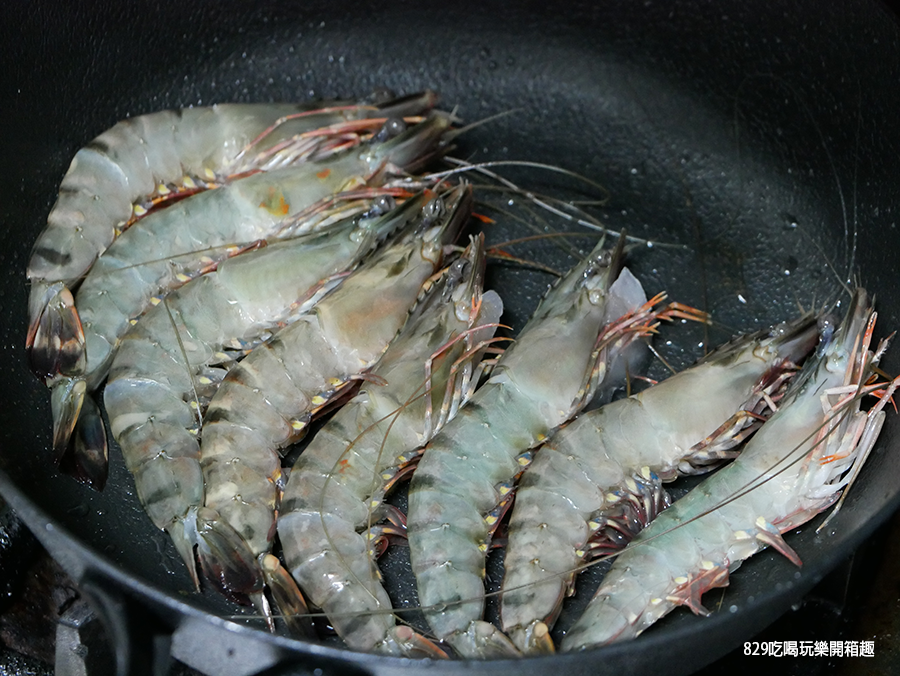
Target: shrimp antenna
{"type": "Point", "coordinates": [453, 133]}
{"type": "Point", "coordinates": [579, 217]}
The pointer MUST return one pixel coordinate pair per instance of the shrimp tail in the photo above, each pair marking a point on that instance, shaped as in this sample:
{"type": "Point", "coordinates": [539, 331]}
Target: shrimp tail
{"type": "Point", "coordinates": [485, 640]}
{"type": "Point", "coordinates": [288, 598]}
{"type": "Point", "coordinates": [88, 458]}
{"type": "Point", "coordinates": [55, 340]}
{"type": "Point", "coordinates": [409, 643]}
{"type": "Point", "coordinates": [66, 401]}
{"type": "Point", "coordinates": [225, 559]}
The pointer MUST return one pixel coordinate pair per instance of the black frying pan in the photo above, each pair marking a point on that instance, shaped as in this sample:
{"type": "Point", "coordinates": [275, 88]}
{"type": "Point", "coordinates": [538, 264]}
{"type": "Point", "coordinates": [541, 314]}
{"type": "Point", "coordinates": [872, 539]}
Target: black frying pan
{"type": "Point", "coordinates": [762, 137]}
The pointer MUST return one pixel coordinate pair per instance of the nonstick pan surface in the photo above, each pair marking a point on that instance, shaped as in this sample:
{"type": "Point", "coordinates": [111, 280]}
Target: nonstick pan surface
{"type": "Point", "coordinates": [762, 141]}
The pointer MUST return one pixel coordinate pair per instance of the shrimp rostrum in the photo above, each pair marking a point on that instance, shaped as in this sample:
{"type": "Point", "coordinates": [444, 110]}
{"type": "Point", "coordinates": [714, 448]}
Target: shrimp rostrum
{"type": "Point", "coordinates": [794, 467]}
{"type": "Point", "coordinates": [598, 480]}
{"type": "Point", "coordinates": [328, 523]}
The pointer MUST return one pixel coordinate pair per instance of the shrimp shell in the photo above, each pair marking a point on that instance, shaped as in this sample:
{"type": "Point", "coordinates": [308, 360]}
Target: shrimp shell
{"type": "Point", "coordinates": [793, 468]}
{"type": "Point", "coordinates": [600, 476]}
{"type": "Point", "coordinates": [336, 486]}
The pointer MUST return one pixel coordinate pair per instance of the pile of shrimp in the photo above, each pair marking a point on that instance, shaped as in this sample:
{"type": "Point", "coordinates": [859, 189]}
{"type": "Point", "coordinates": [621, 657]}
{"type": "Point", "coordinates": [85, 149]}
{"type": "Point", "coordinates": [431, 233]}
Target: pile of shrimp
{"type": "Point", "coordinates": [246, 277]}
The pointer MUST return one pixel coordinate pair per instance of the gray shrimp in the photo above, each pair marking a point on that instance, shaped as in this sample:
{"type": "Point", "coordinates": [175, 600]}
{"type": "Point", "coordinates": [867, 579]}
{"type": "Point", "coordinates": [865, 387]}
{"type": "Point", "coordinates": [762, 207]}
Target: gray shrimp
{"type": "Point", "coordinates": [464, 479]}
{"type": "Point", "coordinates": [267, 400]}
{"type": "Point", "coordinates": [335, 490]}
{"type": "Point", "coordinates": [166, 249]}
{"type": "Point", "coordinates": [159, 157]}
{"type": "Point", "coordinates": [794, 467]}
{"type": "Point", "coordinates": [598, 480]}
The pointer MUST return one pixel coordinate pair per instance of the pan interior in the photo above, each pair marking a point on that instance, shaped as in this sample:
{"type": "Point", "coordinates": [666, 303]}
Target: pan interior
{"type": "Point", "coordinates": [760, 184]}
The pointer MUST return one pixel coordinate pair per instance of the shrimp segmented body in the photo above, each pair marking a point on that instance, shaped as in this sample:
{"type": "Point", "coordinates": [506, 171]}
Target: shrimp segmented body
{"type": "Point", "coordinates": [794, 467]}
{"type": "Point", "coordinates": [336, 486]}
{"type": "Point", "coordinates": [266, 401]}
{"type": "Point", "coordinates": [458, 489]}
{"type": "Point", "coordinates": [194, 235]}
{"type": "Point", "coordinates": [600, 478]}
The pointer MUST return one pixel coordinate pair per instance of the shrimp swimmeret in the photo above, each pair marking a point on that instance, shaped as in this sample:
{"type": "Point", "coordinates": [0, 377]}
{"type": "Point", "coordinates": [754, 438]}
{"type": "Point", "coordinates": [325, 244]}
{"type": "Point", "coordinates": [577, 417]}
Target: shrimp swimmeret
{"type": "Point", "coordinates": [336, 487]}
{"type": "Point", "coordinates": [792, 469]}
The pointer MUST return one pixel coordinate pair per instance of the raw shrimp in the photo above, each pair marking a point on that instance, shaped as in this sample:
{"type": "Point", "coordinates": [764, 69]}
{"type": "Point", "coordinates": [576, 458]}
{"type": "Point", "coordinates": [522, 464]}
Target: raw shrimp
{"type": "Point", "coordinates": [599, 479]}
{"type": "Point", "coordinates": [160, 156]}
{"type": "Point", "coordinates": [336, 486]}
{"type": "Point", "coordinates": [793, 468]}
{"type": "Point", "coordinates": [172, 360]}
{"type": "Point", "coordinates": [167, 248]}
{"type": "Point", "coordinates": [458, 490]}
{"type": "Point", "coordinates": [267, 400]}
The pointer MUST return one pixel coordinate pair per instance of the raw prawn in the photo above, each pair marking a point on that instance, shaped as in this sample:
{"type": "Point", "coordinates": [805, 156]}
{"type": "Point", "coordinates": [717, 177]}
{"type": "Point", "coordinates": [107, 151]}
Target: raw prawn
{"type": "Point", "coordinates": [336, 487]}
{"type": "Point", "coordinates": [266, 401]}
{"type": "Point", "coordinates": [158, 157]}
{"type": "Point", "coordinates": [172, 361]}
{"type": "Point", "coordinates": [793, 468]}
{"type": "Point", "coordinates": [191, 237]}
{"type": "Point", "coordinates": [599, 479]}
{"type": "Point", "coordinates": [464, 479]}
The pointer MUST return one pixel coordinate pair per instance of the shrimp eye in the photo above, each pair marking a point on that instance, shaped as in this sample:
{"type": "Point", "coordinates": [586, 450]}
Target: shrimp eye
{"type": "Point", "coordinates": [826, 333]}
{"type": "Point", "coordinates": [432, 211]}
{"type": "Point", "coordinates": [393, 127]}
{"type": "Point", "coordinates": [593, 268]}
{"type": "Point", "coordinates": [381, 206]}
{"type": "Point", "coordinates": [458, 272]}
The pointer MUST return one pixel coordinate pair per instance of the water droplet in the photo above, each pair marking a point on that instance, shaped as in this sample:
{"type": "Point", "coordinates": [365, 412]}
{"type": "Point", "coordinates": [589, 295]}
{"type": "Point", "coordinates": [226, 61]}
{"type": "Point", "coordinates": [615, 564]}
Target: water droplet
{"type": "Point", "coordinates": [733, 609]}
{"type": "Point", "coordinates": [634, 171]}
{"type": "Point", "coordinates": [742, 299]}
